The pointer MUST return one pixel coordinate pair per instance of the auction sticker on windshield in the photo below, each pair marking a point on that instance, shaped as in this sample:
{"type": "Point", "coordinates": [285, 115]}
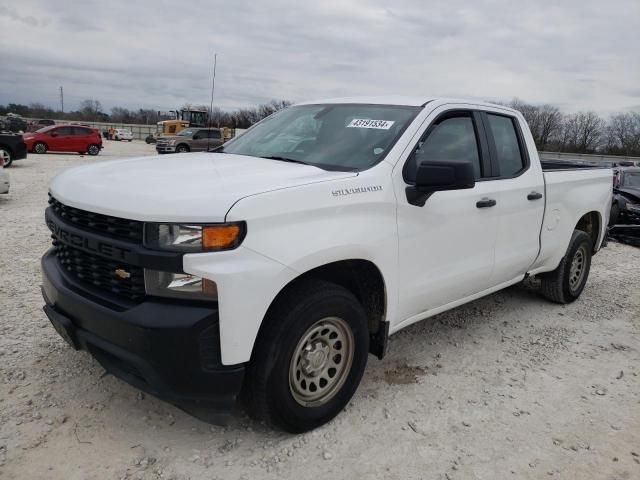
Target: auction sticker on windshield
{"type": "Point", "coordinates": [366, 123]}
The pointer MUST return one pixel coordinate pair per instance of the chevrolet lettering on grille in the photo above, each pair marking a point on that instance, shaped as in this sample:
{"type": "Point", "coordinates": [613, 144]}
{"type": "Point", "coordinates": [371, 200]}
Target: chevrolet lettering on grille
{"type": "Point", "coordinates": [79, 241]}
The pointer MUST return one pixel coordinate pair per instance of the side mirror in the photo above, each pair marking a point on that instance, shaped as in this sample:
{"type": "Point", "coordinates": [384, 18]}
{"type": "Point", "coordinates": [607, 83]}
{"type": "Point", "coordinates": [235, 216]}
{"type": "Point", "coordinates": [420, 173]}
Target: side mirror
{"type": "Point", "coordinates": [440, 176]}
{"type": "Point", "coordinates": [197, 137]}
{"type": "Point", "coordinates": [53, 134]}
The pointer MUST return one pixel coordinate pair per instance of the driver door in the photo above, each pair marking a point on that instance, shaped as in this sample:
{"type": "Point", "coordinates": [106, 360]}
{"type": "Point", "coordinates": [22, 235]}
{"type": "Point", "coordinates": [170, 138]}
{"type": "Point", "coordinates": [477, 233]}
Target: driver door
{"type": "Point", "coordinates": [200, 141]}
{"type": "Point", "coordinates": [60, 139]}
{"type": "Point", "coordinates": [446, 246]}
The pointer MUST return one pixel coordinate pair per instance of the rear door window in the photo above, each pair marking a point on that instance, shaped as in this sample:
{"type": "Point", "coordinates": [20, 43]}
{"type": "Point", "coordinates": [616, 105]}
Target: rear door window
{"type": "Point", "coordinates": [81, 131]}
{"type": "Point", "coordinates": [508, 152]}
{"type": "Point", "coordinates": [64, 131]}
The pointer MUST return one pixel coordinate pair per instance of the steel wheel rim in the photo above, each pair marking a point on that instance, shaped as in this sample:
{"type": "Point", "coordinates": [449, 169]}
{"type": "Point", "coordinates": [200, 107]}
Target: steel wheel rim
{"type": "Point", "coordinates": [5, 156]}
{"type": "Point", "coordinates": [321, 362]}
{"type": "Point", "coordinates": [578, 268]}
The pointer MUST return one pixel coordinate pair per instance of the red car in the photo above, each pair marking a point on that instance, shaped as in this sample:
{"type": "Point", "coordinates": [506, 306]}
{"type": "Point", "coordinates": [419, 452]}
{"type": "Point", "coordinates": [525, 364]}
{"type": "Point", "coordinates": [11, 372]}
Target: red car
{"type": "Point", "coordinates": [64, 138]}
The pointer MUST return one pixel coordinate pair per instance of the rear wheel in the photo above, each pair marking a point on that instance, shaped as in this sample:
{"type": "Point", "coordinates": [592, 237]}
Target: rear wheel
{"type": "Point", "coordinates": [309, 357]}
{"type": "Point", "coordinates": [5, 156]}
{"type": "Point", "coordinates": [40, 147]}
{"type": "Point", "coordinates": [565, 283]}
{"type": "Point", "coordinates": [93, 149]}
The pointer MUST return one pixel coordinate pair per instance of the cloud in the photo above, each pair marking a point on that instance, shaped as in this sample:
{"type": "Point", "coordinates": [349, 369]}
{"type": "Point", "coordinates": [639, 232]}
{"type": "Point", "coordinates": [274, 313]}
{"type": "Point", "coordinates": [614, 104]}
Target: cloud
{"type": "Point", "coordinates": [158, 54]}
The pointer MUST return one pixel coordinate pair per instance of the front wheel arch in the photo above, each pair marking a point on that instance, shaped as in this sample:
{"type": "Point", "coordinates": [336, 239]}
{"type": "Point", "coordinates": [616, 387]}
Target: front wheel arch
{"type": "Point", "coordinates": [365, 281]}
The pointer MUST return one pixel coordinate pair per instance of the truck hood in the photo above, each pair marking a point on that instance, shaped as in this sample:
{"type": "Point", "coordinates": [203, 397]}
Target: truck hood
{"type": "Point", "coordinates": [190, 187]}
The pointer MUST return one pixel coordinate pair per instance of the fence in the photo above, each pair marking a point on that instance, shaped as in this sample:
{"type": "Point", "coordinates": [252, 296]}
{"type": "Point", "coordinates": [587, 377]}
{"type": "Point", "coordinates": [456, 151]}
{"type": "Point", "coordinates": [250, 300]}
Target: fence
{"type": "Point", "coordinates": [586, 157]}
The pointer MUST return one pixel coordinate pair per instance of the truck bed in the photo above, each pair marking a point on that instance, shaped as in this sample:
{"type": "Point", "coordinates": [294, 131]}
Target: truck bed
{"type": "Point", "coordinates": [551, 165]}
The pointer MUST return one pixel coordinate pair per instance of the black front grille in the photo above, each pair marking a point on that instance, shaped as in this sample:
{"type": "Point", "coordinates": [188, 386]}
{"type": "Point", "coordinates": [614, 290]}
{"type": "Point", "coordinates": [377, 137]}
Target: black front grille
{"type": "Point", "coordinates": [102, 273]}
{"type": "Point", "coordinates": [114, 227]}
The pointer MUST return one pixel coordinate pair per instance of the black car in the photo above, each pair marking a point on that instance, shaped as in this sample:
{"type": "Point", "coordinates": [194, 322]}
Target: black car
{"type": "Point", "coordinates": [12, 147]}
{"type": "Point", "coordinates": [625, 206]}
{"type": "Point", "coordinates": [14, 124]}
{"type": "Point", "coordinates": [624, 221]}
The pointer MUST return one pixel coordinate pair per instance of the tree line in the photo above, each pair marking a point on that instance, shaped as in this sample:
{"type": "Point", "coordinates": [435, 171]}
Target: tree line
{"type": "Point", "coordinates": [552, 130]}
{"type": "Point", "coordinates": [92, 111]}
{"type": "Point", "coordinates": [581, 132]}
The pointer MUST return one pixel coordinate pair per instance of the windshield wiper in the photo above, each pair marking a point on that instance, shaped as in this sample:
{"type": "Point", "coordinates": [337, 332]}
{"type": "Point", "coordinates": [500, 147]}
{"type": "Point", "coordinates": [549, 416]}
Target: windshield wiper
{"type": "Point", "coordinates": [285, 159]}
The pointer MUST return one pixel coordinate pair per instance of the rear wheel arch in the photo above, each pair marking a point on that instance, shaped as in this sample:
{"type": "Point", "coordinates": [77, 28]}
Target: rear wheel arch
{"type": "Point", "coordinates": [591, 224]}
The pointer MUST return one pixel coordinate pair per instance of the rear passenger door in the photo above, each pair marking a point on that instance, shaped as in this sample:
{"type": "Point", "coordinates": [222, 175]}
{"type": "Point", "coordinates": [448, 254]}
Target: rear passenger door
{"type": "Point", "coordinates": [519, 186]}
{"type": "Point", "coordinates": [81, 139]}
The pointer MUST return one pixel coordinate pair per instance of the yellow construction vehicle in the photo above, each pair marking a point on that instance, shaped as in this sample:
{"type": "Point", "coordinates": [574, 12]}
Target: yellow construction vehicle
{"type": "Point", "coordinates": [177, 120]}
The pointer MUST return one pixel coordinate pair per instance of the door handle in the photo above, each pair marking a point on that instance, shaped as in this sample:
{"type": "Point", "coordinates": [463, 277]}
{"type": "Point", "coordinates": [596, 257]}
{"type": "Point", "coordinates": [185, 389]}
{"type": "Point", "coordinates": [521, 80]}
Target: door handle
{"type": "Point", "coordinates": [534, 196]}
{"type": "Point", "coordinates": [485, 203]}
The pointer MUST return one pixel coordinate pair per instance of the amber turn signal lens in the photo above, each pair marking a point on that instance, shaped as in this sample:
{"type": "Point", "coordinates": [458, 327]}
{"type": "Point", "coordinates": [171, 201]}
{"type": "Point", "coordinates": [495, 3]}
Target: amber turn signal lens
{"type": "Point", "coordinates": [220, 236]}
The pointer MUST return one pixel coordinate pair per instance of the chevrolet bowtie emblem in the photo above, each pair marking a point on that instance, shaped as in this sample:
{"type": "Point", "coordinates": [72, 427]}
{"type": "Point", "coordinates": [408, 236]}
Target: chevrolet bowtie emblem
{"type": "Point", "coordinates": [122, 273]}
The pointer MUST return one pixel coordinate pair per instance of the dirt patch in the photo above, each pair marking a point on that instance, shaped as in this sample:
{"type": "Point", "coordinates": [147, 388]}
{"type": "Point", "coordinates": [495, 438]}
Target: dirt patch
{"type": "Point", "coordinates": [404, 374]}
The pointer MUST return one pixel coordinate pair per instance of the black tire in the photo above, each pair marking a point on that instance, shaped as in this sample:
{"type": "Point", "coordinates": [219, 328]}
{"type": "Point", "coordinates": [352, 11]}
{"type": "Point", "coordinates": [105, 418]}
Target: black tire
{"type": "Point", "coordinates": [93, 149]}
{"type": "Point", "coordinates": [40, 147]}
{"type": "Point", "coordinates": [565, 283]}
{"type": "Point", "coordinates": [6, 156]}
{"type": "Point", "coordinates": [182, 148]}
{"type": "Point", "coordinates": [615, 213]}
{"type": "Point", "coordinates": [304, 308]}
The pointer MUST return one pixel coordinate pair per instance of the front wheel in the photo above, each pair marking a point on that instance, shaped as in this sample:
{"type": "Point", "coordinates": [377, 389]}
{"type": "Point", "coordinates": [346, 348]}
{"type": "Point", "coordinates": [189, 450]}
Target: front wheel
{"type": "Point", "coordinates": [40, 147]}
{"type": "Point", "coordinates": [565, 283]}
{"type": "Point", "coordinates": [93, 149]}
{"type": "Point", "coordinates": [5, 156]}
{"type": "Point", "coordinates": [182, 149]}
{"type": "Point", "coordinates": [309, 357]}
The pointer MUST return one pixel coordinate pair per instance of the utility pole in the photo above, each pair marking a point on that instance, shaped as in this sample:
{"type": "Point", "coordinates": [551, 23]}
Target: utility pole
{"type": "Point", "coordinates": [61, 100]}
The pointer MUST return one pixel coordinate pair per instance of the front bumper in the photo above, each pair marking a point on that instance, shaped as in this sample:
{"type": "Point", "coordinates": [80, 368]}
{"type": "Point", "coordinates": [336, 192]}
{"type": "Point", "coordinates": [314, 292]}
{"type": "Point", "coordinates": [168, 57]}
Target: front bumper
{"type": "Point", "coordinates": [160, 148]}
{"type": "Point", "coordinates": [169, 349]}
{"type": "Point", "coordinates": [20, 151]}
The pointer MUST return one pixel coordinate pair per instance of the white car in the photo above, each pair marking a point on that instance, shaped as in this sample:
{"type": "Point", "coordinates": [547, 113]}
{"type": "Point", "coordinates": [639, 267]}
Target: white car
{"type": "Point", "coordinates": [283, 258]}
{"type": "Point", "coordinates": [4, 178]}
{"type": "Point", "coordinates": [123, 134]}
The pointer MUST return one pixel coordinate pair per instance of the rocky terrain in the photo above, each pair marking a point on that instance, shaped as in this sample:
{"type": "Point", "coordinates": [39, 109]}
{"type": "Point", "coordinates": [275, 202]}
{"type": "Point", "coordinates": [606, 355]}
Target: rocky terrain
{"type": "Point", "coordinates": [509, 386]}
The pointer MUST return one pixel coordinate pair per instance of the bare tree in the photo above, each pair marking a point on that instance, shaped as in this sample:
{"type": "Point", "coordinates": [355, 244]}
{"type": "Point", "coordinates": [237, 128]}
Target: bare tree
{"type": "Point", "coordinates": [90, 109]}
{"type": "Point", "coordinates": [623, 134]}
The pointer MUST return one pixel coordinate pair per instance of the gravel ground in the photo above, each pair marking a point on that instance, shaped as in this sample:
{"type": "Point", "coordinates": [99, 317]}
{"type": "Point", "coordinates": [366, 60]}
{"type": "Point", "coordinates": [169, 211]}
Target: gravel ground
{"type": "Point", "coordinates": [509, 386]}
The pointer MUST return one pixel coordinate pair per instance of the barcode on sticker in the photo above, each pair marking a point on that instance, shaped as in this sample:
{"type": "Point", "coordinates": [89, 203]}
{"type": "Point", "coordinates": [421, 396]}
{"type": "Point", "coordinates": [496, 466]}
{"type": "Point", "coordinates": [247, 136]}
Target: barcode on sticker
{"type": "Point", "coordinates": [366, 123]}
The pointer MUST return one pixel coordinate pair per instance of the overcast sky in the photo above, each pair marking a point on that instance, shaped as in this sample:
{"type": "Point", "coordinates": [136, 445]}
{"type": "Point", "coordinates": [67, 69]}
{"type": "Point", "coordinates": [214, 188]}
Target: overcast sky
{"type": "Point", "coordinates": [576, 54]}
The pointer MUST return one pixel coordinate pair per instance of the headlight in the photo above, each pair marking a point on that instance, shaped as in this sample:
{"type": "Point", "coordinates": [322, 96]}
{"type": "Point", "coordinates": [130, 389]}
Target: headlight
{"type": "Point", "coordinates": [179, 285]}
{"type": "Point", "coordinates": [194, 238]}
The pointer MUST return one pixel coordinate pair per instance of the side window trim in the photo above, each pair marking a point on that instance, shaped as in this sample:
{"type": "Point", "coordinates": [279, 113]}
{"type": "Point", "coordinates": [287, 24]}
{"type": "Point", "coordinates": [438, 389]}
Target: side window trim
{"type": "Point", "coordinates": [524, 153]}
{"type": "Point", "coordinates": [485, 153]}
{"type": "Point", "coordinates": [481, 139]}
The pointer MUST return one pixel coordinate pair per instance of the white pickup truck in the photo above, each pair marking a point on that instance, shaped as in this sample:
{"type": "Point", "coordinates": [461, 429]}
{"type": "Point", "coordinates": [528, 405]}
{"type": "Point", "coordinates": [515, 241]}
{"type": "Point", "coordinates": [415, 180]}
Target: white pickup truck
{"type": "Point", "coordinates": [274, 265]}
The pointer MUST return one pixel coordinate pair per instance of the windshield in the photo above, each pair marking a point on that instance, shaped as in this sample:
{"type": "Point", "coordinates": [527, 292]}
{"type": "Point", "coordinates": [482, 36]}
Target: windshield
{"type": "Point", "coordinates": [631, 179]}
{"type": "Point", "coordinates": [332, 136]}
{"type": "Point", "coordinates": [187, 132]}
